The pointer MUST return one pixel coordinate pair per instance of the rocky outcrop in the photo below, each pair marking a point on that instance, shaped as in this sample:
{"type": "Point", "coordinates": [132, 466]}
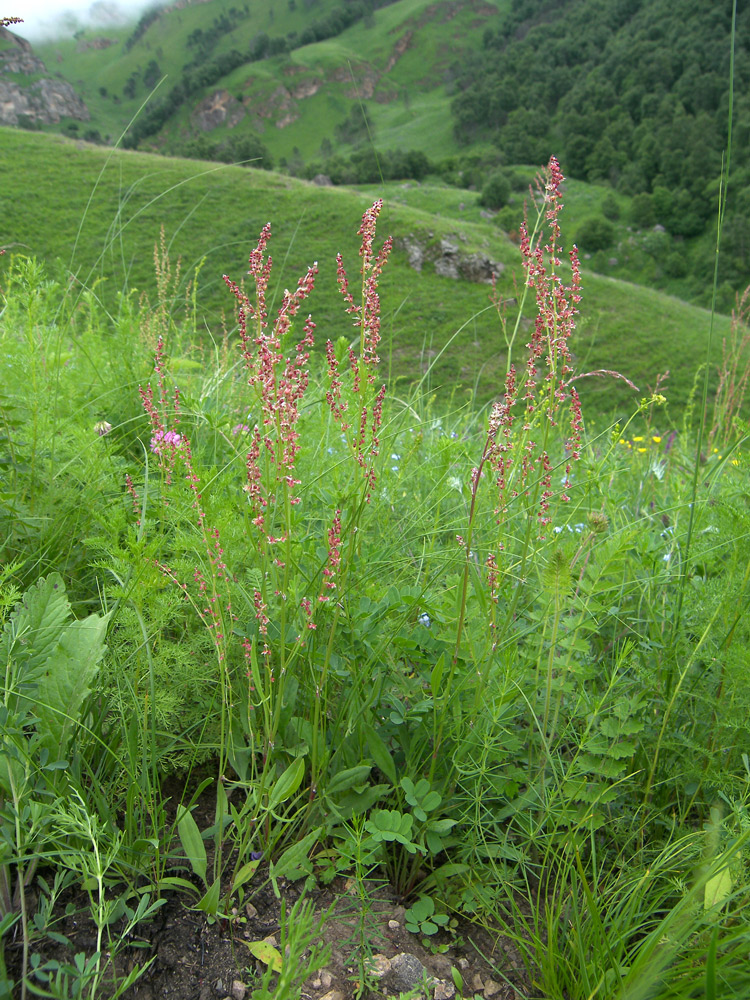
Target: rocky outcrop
{"type": "Point", "coordinates": [399, 48]}
{"type": "Point", "coordinates": [44, 100]}
{"type": "Point", "coordinates": [94, 43]}
{"type": "Point", "coordinates": [414, 252]}
{"type": "Point", "coordinates": [219, 108]}
{"type": "Point", "coordinates": [449, 260]}
{"type": "Point", "coordinates": [308, 88]}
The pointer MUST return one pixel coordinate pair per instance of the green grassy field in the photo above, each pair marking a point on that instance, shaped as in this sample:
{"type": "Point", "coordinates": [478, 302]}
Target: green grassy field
{"type": "Point", "coordinates": [97, 212]}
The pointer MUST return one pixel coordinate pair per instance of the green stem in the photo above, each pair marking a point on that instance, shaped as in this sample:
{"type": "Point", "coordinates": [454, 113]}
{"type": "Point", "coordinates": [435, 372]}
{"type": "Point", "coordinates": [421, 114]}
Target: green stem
{"type": "Point", "coordinates": [550, 668]}
{"type": "Point", "coordinates": [21, 877]}
{"type": "Point", "coordinates": [724, 181]}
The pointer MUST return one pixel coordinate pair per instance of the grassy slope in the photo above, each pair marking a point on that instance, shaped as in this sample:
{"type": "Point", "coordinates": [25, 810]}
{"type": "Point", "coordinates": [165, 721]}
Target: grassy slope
{"type": "Point", "coordinates": [219, 212]}
{"type": "Point", "coordinates": [403, 52]}
{"type": "Point", "coordinates": [165, 40]}
{"type": "Point", "coordinates": [409, 106]}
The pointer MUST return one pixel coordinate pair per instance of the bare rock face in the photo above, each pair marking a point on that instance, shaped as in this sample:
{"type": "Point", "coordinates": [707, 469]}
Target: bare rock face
{"type": "Point", "coordinates": [477, 267]}
{"type": "Point", "coordinates": [95, 43]}
{"type": "Point", "coordinates": [17, 56]}
{"type": "Point", "coordinates": [219, 108]}
{"type": "Point", "coordinates": [449, 260]}
{"type": "Point", "coordinates": [44, 100]}
{"type": "Point", "coordinates": [414, 252]}
{"type": "Point", "coordinates": [447, 263]}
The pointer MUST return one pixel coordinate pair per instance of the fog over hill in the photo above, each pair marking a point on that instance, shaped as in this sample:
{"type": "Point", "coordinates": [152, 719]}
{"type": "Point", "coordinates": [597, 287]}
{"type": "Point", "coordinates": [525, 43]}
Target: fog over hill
{"type": "Point", "coordinates": [47, 19]}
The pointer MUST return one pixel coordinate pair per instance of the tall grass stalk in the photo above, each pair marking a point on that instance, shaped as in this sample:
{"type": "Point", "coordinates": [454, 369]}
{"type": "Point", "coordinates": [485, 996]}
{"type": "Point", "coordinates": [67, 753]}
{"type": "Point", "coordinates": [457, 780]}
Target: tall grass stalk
{"type": "Point", "coordinates": [702, 425]}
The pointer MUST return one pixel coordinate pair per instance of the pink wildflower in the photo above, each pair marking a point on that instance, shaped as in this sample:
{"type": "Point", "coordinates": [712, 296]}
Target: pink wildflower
{"type": "Point", "coordinates": [334, 552]}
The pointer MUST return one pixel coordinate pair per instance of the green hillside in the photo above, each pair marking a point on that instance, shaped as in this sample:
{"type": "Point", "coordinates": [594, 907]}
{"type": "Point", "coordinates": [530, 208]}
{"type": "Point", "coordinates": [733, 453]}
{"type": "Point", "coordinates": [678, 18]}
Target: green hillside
{"type": "Point", "coordinates": [632, 97]}
{"type": "Point", "coordinates": [99, 213]}
{"type": "Point", "coordinates": [290, 74]}
{"type": "Point", "coordinates": [634, 94]}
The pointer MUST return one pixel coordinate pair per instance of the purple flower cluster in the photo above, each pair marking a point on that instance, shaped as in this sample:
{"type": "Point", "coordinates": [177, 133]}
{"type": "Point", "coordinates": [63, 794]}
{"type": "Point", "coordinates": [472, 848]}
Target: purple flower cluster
{"type": "Point", "coordinates": [165, 440]}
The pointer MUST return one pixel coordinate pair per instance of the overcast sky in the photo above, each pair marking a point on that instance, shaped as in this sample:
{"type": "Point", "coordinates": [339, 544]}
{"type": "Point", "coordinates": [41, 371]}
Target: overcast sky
{"type": "Point", "coordinates": [62, 17]}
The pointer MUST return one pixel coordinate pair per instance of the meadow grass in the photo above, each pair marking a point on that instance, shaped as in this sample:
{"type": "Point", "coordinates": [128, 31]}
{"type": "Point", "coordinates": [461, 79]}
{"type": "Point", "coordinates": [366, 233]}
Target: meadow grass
{"type": "Point", "coordinates": [488, 653]}
{"type": "Point", "coordinates": [98, 237]}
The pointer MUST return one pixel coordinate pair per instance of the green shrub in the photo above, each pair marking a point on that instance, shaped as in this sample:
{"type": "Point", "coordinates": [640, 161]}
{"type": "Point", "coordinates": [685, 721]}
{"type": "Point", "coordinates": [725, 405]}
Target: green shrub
{"type": "Point", "coordinates": [496, 191]}
{"type": "Point", "coordinates": [610, 208]}
{"type": "Point", "coordinates": [595, 233]}
{"type": "Point", "coordinates": [642, 211]}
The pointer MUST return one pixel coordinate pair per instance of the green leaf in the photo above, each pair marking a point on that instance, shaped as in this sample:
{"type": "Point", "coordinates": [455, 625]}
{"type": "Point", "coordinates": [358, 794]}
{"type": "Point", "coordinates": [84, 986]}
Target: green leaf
{"type": "Point", "coordinates": [431, 801]}
{"type": "Point", "coordinates": [718, 888]}
{"type": "Point", "coordinates": [174, 882]}
{"type": "Point", "coordinates": [293, 861]}
{"type": "Point", "coordinates": [7, 921]}
{"type": "Point", "coordinates": [245, 873]}
{"type": "Point", "coordinates": [355, 802]}
{"type": "Point", "coordinates": [390, 825]}
{"type": "Point", "coordinates": [265, 953]}
{"type": "Point", "coordinates": [421, 910]}
{"type": "Point", "coordinates": [288, 783]}
{"type": "Point", "coordinates": [347, 779]}
{"type": "Point", "coordinates": [52, 661]}
{"type": "Point", "coordinates": [380, 754]}
{"type": "Point", "coordinates": [434, 841]}
{"type": "Point", "coordinates": [408, 786]}
{"type": "Point", "coordinates": [192, 842]}
{"type": "Point", "coordinates": [436, 677]}
{"type": "Point", "coordinates": [209, 903]}
{"type": "Point", "coordinates": [67, 680]}
{"type": "Point", "coordinates": [441, 826]}
{"type": "Point", "coordinates": [35, 625]}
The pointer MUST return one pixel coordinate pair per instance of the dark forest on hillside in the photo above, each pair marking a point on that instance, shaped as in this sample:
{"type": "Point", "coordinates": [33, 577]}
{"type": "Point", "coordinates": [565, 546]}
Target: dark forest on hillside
{"type": "Point", "coordinates": [630, 92]}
